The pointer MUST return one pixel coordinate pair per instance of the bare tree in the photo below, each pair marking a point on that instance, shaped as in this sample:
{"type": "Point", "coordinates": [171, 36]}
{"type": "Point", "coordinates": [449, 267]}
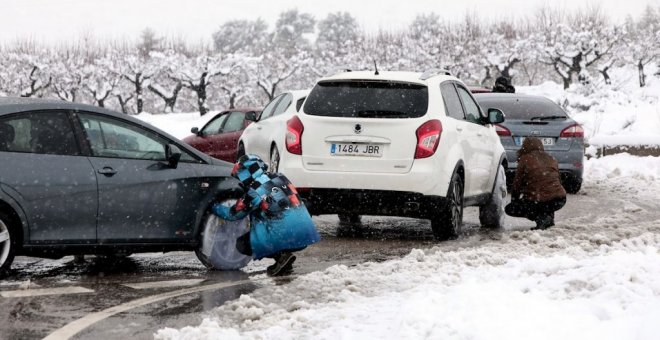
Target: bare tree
{"type": "Point", "coordinates": [197, 75]}
{"type": "Point", "coordinates": [570, 48]}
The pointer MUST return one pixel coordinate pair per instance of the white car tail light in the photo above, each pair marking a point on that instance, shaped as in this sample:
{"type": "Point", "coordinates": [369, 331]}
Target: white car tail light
{"type": "Point", "coordinates": [574, 130]}
{"type": "Point", "coordinates": [428, 138]}
{"type": "Point", "coordinates": [294, 131]}
{"type": "Point", "coordinates": [502, 131]}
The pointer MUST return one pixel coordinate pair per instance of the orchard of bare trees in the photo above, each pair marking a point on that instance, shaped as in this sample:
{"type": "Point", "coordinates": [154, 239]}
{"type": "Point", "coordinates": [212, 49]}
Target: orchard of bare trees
{"type": "Point", "coordinates": [249, 63]}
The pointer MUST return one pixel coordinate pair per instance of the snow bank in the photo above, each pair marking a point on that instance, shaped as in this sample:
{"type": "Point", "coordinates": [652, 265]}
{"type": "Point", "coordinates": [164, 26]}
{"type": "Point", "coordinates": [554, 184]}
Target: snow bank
{"type": "Point", "coordinates": [459, 295]}
{"type": "Point", "coordinates": [587, 278]}
{"type": "Point", "coordinates": [612, 115]}
{"type": "Point", "coordinates": [631, 168]}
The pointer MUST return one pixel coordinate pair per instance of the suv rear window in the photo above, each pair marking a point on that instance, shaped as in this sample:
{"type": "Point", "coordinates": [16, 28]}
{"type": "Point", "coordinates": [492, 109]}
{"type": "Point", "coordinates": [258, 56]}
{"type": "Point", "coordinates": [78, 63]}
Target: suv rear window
{"type": "Point", "coordinates": [367, 99]}
{"type": "Point", "coordinates": [523, 108]}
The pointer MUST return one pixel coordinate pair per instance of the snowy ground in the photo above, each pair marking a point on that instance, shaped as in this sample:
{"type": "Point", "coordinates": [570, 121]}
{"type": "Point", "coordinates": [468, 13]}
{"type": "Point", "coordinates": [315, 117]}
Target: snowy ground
{"type": "Point", "coordinates": [585, 278]}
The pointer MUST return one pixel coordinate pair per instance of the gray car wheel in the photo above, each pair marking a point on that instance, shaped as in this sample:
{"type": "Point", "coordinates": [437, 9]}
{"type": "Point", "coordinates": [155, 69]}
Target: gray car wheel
{"type": "Point", "coordinates": [7, 245]}
{"type": "Point", "coordinates": [572, 185]}
{"type": "Point", "coordinates": [217, 242]}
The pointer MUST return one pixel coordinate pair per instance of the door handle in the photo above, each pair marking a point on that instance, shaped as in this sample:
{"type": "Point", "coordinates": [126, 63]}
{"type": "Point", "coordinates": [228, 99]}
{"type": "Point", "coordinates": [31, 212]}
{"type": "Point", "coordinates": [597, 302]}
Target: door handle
{"type": "Point", "coordinates": [258, 127]}
{"type": "Point", "coordinates": [459, 129]}
{"type": "Point", "coordinates": [108, 171]}
{"type": "Point", "coordinates": [479, 134]}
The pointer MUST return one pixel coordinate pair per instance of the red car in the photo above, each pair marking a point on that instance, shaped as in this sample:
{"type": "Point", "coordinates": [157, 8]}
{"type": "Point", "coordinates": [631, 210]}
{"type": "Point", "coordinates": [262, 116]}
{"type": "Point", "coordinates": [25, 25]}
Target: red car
{"type": "Point", "coordinates": [219, 137]}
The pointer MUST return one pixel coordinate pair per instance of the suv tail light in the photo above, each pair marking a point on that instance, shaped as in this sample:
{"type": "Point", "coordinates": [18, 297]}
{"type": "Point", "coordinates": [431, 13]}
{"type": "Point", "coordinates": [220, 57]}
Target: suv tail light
{"type": "Point", "coordinates": [502, 131]}
{"type": "Point", "coordinates": [294, 131]}
{"type": "Point", "coordinates": [428, 138]}
{"type": "Point", "coordinates": [574, 130]}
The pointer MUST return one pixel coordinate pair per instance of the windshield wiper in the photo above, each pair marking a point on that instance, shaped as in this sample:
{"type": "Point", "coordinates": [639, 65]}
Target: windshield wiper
{"type": "Point", "coordinates": [379, 113]}
{"type": "Point", "coordinates": [548, 117]}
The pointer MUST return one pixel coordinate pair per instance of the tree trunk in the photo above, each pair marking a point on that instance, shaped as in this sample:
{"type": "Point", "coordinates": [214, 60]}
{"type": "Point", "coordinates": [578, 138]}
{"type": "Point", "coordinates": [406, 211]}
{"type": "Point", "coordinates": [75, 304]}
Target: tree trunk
{"type": "Point", "coordinates": [642, 76]}
{"type": "Point", "coordinates": [201, 101]}
{"type": "Point", "coordinates": [171, 100]}
{"type": "Point", "coordinates": [487, 77]}
{"type": "Point", "coordinates": [606, 76]}
{"type": "Point", "coordinates": [123, 103]}
{"type": "Point", "coordinates": [232, 101]}
{"type": "Point", "coordinates": [138, 92]}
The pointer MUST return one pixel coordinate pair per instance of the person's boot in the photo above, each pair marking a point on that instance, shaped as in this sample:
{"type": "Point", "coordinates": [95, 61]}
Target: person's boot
{"type": "Point", "coordinates": [283, 265]}
{"type": "Point", "coordinates": [544, 222]}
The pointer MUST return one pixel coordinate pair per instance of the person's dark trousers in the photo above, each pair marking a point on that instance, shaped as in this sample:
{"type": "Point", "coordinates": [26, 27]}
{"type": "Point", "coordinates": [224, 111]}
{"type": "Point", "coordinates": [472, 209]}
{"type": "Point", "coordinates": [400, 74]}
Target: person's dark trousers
{"type": "Point", "coordinates": [543, 213]}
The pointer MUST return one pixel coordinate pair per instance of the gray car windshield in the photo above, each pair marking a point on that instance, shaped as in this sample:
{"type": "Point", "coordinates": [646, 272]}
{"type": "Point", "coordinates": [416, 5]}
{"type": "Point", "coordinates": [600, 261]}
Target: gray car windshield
{"type": "Point", "coordinates": [367, 99]}
{"type": "Point", "coordinates": [524, 108]}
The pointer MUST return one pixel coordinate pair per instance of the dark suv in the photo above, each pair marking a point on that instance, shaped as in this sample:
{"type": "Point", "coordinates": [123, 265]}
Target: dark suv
{"type": "Point", "coordinates": [78, 179]}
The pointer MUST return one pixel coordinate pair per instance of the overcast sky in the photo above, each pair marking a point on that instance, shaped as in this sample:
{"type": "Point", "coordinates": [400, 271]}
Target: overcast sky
{"type": "Point", "coordinates": [56, 20]}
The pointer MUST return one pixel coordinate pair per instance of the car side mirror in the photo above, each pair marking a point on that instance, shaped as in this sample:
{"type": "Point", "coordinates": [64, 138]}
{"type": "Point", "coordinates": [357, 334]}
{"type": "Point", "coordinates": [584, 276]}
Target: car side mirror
{"type": "Point", "coordinates": [173, 155]}
{"type": "Point", "coordinates": [495, 116]}
{"type": "Point", "coordinates": [251, 116]}
{"type": "Point", "coordinates": [195, 130]}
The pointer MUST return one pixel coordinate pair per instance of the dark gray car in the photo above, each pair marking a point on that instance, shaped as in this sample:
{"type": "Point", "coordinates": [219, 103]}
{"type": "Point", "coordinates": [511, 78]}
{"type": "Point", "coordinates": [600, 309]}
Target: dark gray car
{"type": "Point", "coordinates": [78, 179]}
{"type": "Point", "coordinates": [539, 117]}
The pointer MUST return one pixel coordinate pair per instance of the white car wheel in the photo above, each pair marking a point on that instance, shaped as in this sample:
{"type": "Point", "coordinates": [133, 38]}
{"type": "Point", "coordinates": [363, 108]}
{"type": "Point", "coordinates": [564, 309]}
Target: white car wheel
{"type": "Point", "coordinates": [448, 222]}
{"type": "Point", "coordinates": [492, 214]}
{"type": "Point", "coordinates": [274, 164]}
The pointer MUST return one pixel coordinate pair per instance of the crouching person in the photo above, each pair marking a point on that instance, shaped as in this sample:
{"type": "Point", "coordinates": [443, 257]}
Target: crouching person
{"type": "Point", "coordinates": [537, 191]}
{"type": "Point", "coordinates": [279, 221]}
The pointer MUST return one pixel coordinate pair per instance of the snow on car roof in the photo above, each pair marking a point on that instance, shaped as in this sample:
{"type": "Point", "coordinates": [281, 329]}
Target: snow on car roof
{"type": "Point", "coordinates": [402, 76]}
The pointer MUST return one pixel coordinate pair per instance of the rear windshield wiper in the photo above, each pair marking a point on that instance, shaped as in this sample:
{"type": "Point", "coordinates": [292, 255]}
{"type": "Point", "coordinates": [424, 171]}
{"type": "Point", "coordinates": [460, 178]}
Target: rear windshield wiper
{"type": "Point", "coordinates": [380, 113]}
{"type": "Point", "coordinates": [548, 117]}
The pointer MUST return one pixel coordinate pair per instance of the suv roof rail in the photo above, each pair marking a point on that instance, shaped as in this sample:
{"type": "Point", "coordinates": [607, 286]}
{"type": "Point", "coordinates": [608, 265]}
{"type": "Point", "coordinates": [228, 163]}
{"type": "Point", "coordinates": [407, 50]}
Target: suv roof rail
{"type": "Point", "coordinates": [434, 72]}
{"type": "Point", "coordinates": [340, 69]}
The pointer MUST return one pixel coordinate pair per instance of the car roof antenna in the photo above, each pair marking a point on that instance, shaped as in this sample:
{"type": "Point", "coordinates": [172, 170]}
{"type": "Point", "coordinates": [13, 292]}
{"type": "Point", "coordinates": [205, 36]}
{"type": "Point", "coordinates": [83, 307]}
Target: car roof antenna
{"type": "Point", "coordinates": [376, 67]}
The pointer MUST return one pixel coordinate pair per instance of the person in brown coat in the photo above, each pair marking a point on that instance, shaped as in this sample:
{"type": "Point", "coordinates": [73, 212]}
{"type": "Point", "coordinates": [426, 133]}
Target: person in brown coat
{"type": "Point", "coordinates": [537, 191]}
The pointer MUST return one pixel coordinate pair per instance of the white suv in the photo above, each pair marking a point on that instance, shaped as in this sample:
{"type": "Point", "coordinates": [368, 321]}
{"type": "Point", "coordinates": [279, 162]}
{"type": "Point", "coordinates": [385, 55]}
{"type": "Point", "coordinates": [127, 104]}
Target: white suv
{"type": "Point", "coordinates": [399, 144]}
{"type": "Point", "coordinates": [265, 137]}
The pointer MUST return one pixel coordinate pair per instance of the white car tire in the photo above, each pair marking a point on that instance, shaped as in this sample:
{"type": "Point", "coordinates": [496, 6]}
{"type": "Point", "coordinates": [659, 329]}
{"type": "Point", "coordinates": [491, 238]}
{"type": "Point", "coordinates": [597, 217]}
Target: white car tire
{"type": "Point", "coordinates": [491, 214]}
{"type": "Point", "coordinates": [274, 164]}
{"type": "Point", "coordinates": [447, 223]}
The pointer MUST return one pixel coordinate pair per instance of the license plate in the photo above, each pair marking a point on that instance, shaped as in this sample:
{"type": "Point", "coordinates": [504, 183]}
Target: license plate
{"type": "Point", "coordinates": [544, 140]}
{"type": "Point", "coordinates": [350, 149]}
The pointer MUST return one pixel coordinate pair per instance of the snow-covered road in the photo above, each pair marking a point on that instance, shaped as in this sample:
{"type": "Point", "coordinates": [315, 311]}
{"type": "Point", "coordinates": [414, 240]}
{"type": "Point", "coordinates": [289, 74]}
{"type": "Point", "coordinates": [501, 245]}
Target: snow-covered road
{"type": "Point", "coordinates": [594, 275]}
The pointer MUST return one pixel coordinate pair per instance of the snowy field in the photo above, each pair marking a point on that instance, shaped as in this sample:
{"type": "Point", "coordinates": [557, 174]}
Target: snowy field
{"type": "Point", "coordinates": [622, 114]}
{"type": "Point", "coordinates": [585, 278]}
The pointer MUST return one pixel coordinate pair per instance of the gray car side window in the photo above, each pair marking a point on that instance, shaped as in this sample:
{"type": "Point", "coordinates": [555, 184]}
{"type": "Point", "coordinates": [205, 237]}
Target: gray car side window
{"type": "Point", "coordinates": [39, 132]}
{"type": "Point", "coordinates": [114, 138]}
{"type": "Point", "coordinates": [453, 107]}
{"type": "Point", "coordinates": [270, 108]}
{"type": "Point", "coordinates": [472, 113]}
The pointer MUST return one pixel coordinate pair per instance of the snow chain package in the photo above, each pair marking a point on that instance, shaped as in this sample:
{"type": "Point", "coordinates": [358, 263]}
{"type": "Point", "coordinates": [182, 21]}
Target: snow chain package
{"type": "Point", "coordinates": [219, 241]}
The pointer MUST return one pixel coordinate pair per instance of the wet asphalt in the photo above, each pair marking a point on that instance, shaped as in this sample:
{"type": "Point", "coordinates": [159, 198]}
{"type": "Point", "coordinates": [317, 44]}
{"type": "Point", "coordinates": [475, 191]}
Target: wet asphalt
{"type": "Point", "coordinates": [111, 282]}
